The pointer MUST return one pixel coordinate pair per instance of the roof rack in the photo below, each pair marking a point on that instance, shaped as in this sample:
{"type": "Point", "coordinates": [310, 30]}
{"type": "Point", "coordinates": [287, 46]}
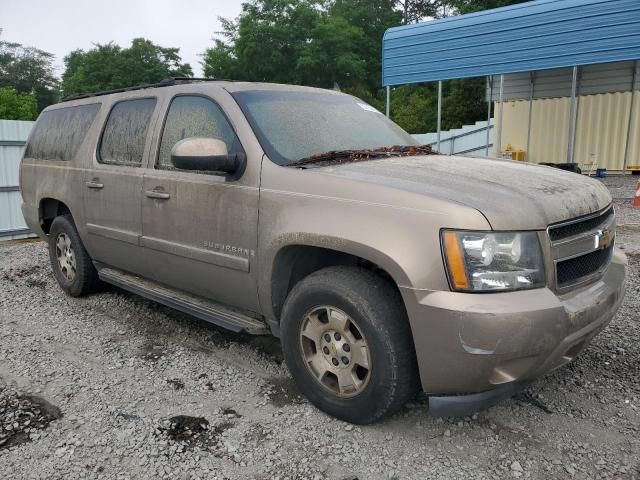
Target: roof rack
{"type": "Point", "coordinates": [166, 82]}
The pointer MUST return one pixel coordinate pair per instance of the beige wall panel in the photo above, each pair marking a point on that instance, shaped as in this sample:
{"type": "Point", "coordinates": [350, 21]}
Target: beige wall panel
{"type": "Point", "coordinates": [601, 129]}
{"type": "Point", "coordinates": [549, 128]}
{"type": "Point", "coordinates": [633, 159]}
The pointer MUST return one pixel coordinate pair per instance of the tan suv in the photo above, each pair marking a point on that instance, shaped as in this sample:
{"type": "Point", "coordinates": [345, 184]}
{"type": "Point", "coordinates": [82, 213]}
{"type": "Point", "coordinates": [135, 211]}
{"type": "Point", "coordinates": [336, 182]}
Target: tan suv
{"type": "Point", "coordinates": [306, 213]}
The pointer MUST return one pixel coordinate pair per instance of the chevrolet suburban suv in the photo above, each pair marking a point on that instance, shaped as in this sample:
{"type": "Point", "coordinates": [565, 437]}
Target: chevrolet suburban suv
{"type": "Point", "coordinates": [383, 267]}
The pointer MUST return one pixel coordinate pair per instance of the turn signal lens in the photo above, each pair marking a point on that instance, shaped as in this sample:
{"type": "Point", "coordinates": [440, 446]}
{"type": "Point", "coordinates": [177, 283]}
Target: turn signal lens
{"type": "Point", "coordinates": [455, 261]}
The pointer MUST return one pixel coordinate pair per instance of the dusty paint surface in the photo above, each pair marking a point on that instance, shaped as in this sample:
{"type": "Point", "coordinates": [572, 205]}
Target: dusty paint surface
{"type": "Point", "coordinates": [511, 195]}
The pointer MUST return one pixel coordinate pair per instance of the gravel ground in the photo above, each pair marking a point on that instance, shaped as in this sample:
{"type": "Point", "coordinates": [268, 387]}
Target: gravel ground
{"type": "Point", "coordinates": [113, 386]}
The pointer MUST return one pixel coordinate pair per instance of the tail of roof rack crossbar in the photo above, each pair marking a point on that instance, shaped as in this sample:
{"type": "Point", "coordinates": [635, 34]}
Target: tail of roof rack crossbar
{"type": "Point", "coordinates": [167, 82]}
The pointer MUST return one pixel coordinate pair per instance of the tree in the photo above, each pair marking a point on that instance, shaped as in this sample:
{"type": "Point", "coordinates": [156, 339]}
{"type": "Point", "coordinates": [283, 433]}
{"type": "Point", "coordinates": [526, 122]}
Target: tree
{"type": "Point", "coordinates": [17, 106]}
{"type": "Point", "coordinates": [28, 70]}
{"type": "Point", "coordinates": [109, 66]}
{"type": "Point", "coordinates": [462, 7]}
{"type": "Point", "coordinates": [337, 43]}
{"type": "Point", "coordinates": [416, 10]}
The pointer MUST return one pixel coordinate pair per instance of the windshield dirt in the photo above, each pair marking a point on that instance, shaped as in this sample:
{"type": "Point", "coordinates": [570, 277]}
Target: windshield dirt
{"type": "Point", "coordinates": [294, 125]}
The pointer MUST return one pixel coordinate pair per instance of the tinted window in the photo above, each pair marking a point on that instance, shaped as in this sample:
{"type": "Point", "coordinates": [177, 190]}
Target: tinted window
{"type": "Point", "coordinates": [191, 116]}
{"type": "Point", "coordinates": [126, 132]}
{"type": "Point", "coordinates": [59, 133]}
{"type": "Point", "coordinates": [292, 125]}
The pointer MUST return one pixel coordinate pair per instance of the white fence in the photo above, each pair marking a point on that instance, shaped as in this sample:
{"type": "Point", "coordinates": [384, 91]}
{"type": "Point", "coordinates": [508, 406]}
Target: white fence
{"type": "Point", "coordinates": [468, 140]}
{"type": "Point", "coordinates": [13, 136]}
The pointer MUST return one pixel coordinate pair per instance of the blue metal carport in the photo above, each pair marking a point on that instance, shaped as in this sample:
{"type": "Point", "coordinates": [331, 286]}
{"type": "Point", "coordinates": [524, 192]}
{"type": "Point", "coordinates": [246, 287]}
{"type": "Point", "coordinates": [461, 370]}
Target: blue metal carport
{"type": "Point", "coordinates": [537, 35]}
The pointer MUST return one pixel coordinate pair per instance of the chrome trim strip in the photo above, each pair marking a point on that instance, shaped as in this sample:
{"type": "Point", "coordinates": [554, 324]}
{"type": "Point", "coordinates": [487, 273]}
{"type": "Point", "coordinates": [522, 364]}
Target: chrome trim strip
{"type": "Point", "coordinates": [582, 244]}
{"type": "Point", "coordinates": [584, 218]}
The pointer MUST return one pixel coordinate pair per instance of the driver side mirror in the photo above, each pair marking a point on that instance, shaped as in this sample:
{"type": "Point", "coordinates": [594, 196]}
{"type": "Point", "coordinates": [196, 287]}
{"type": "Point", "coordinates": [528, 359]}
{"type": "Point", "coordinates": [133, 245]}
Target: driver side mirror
{"type": "Point", "coordinates": [204, 154]}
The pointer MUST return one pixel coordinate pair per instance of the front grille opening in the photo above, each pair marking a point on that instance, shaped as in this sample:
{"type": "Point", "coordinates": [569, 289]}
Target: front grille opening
{"type": "Point", "coordinates": [572, 271]}
{"type": "Point", "coordinates": [558, 233]}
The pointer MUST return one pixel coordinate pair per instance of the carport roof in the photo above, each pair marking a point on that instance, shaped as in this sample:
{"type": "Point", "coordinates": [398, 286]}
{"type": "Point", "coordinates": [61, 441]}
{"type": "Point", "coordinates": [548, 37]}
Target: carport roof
{"type": "Point", "coordinates": [537, 35]}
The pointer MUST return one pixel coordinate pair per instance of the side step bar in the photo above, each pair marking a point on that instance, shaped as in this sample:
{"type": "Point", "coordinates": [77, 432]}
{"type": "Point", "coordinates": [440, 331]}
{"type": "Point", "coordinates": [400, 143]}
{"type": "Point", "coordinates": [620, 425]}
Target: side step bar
{"type": "Point", "coordinates": [184, 302]}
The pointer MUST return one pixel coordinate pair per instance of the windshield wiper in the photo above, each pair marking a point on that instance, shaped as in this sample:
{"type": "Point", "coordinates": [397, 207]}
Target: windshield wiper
{"type": "Point", "coordinates": [350, 156]}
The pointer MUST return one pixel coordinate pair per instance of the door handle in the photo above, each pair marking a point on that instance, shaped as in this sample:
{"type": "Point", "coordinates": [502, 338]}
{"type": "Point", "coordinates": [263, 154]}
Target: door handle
{"type": "Point", "coordinates": [157, 194]}
{"type": "Point", "coordinates": [95, 184]}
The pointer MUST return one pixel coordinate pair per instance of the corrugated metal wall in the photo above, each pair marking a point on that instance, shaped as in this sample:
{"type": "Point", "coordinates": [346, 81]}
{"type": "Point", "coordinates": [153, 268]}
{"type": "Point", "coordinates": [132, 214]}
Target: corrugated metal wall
{"type": "Point", "coordinates": [13, 135]}
{"type": "Point", "coordinates": [601, 129]}
{"type": "Point", "coordinates": [530, 36]}
{"type": "Point", "coordinates": [592, 79]}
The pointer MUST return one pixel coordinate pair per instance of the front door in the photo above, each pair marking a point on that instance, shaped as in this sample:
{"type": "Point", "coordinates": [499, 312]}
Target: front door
{"type": "Point", "coordinates": [113, 185]}
{"type": "Point", "coordinates": [200, 228]}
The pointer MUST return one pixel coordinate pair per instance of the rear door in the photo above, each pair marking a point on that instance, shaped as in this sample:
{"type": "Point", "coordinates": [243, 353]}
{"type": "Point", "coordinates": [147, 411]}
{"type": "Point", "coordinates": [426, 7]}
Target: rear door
{"type": "Point", "coordinates": [113, 184]}
{"type": "Point", "coordinates": [200, 228]}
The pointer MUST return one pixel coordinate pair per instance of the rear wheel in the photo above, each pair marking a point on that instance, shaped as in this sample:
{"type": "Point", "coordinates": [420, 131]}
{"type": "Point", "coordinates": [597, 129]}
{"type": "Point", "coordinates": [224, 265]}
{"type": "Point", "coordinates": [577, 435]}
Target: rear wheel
{"type": "Point", "coordinates": [348, 345]}
{"type": "Point", "coordinates": [70, 262]}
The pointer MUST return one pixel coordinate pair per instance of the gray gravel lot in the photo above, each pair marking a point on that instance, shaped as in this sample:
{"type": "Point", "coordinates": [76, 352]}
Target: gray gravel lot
{"type": "Point", "coordinates": [113, 386]}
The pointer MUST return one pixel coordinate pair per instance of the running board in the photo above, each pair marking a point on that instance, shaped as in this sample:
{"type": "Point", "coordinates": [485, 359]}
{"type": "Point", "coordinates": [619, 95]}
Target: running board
{"type": "Point", "coordinates": [184, 302]}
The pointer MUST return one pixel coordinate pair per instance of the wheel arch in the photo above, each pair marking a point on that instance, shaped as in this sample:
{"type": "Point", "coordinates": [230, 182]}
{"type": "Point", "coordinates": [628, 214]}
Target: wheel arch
{"type": "Point", "coordinates": [293, 262]}
{"type": "Point", "coordinates": [48, 209]}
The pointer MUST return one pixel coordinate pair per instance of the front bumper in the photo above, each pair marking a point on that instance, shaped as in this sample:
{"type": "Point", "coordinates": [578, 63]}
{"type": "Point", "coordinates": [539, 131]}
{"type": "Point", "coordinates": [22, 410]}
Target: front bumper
{"type": "Point", "coordinates": [477, 343]}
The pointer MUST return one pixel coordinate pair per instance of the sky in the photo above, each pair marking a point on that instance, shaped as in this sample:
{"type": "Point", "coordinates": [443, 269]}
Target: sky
{"type": "Point", "coordinates": [60, 26]}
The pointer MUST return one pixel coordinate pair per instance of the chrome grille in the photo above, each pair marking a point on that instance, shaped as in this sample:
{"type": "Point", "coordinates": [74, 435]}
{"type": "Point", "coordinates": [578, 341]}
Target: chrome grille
{"type": "Point", "coordinates": [582, 248]}
{"type": "Point", "coordinates": [585, 265]}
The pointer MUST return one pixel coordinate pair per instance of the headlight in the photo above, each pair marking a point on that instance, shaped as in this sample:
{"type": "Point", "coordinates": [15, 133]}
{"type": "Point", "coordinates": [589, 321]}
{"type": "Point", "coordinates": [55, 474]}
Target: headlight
{"type": "Point", "coordinates": [493, 261]}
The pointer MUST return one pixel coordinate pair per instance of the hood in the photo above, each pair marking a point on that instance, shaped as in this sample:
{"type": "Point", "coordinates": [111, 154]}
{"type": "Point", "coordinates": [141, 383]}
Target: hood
{"type": "Point", "coordinates": [511, 195]}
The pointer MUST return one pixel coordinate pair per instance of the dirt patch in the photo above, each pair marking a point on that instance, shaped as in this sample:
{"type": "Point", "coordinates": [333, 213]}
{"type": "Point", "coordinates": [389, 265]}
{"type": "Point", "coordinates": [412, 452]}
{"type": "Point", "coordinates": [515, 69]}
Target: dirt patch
{"type": "Point", "coordinates": [230, 413]}
{"type": "Point", "coordinates": [22, 416]}
{"type": "Point", "coordinates": [14, 274]}
{"type": "Point", "coordinates": [194, 431]}
{"type": "Point", "coordinates": [176, 383]}
{"type": "Point", "coordinates": [282, 391]}
{"type": "Point", "coordinates": [152, 352]}
{"type": "Point", "coordinates": [532, 398]}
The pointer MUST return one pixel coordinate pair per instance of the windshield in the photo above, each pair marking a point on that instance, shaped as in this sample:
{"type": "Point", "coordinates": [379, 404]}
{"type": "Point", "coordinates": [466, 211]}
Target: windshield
{"type": "Point", "coordinates": [294, 125]}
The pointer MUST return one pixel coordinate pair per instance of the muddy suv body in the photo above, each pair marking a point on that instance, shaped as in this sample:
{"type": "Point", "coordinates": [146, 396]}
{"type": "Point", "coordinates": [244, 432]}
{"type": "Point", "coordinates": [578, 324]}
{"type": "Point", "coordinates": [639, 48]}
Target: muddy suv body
{"type": "Point", "coordinates": [380, 272]}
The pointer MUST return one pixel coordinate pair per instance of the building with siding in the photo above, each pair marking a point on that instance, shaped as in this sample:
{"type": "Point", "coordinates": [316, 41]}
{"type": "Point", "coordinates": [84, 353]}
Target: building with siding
{"type": "Point", "coordinates": [13, 137]}
{"type": "Point", "coordinates": [607, 125]}
{"type": "Point", "coordinates": [563, 74]}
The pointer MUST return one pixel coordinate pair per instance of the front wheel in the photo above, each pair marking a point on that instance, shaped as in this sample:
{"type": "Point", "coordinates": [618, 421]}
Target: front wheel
{"type": "Point", "coordinates": [348, 345]}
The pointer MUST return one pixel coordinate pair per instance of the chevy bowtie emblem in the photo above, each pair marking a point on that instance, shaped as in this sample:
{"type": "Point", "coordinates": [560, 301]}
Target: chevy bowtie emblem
{"type": "Point", "coordinates": [603, 239]}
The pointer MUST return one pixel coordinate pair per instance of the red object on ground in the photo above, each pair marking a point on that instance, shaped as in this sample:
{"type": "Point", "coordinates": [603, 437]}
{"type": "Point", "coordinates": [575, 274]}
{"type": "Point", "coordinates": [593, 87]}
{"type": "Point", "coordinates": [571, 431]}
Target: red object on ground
{"type": "Point", "coordinates": [636, 197]}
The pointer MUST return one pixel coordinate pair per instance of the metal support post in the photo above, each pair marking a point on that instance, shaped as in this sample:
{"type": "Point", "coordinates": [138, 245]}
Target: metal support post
{"type": "Point", "coordinates": [634, 87]}
{"type": "Point", "coordinates": [573, 117]}
{"type": "Point", "coordinates": [531, 87]}
{"type": "Point", "coordinates": [438, 121]}
{"type": "Point", "coordinates": [497, 146]}
{"type": "Point", "coordinates": [489, 102]}
{"type": "Point", "coordinates": [388, 99]}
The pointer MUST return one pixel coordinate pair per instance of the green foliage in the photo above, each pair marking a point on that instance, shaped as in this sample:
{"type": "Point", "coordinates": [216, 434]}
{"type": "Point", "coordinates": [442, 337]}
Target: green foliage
{"type": "Point", "coordinates": [469, 6]}
{"type": "Point", "coordinates": [17, 106]}
{"type": "Point", "coordinates": [28, 70]}
{"type": "Point", "coordinates": [304, 42]}
{"type": "Point", "coordinates": [109, 66]}
{"type": "Point", "coordinates": [337, 44]}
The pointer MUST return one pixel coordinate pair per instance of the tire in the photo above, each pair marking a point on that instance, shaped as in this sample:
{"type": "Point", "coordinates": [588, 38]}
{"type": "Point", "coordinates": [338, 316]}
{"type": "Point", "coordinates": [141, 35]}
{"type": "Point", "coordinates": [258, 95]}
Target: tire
{"type": "Point", "coordinates": [74, 272]}
{"type": "Point", "coordinates": [377, 333]}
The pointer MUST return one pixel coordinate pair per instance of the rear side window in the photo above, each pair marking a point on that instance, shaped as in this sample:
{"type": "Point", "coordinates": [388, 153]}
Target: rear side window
{"type": "Point", "coordinates": [193, 116]}
{"type": "Point", "coordinates": [59, 133]}
{"type": "Point", "coordinates": [125, 133]}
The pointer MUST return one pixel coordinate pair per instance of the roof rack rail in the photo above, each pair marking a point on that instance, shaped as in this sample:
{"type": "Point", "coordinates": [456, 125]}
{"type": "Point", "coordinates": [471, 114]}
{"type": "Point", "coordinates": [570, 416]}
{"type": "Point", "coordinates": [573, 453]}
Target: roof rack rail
{"type": "Point", "coordinates": [166, 82]}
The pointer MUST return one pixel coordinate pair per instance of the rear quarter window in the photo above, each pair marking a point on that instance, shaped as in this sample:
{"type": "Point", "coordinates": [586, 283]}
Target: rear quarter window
{"type": "Point", "coordinates": [125, 132]}
{"type": "Point", "coordinates": [59, 133]}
